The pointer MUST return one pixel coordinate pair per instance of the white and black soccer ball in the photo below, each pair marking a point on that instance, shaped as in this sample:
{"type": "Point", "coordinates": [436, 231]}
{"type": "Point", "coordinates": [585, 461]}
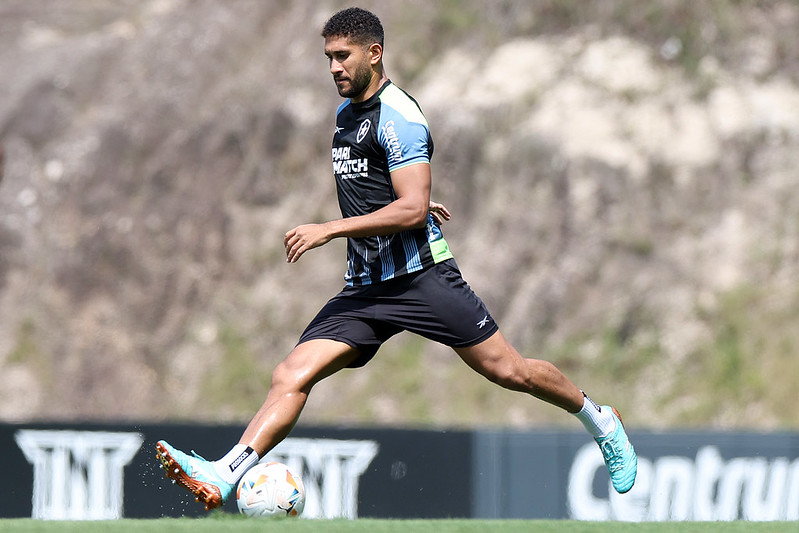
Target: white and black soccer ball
{"type": "Point", "coordinates": [270, 489]}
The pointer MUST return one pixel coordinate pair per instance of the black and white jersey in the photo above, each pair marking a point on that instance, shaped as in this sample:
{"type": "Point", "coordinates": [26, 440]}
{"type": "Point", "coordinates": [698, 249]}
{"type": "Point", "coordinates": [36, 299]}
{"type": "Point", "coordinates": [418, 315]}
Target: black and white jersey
{"type": "Point", "coordinates": [373, 138]}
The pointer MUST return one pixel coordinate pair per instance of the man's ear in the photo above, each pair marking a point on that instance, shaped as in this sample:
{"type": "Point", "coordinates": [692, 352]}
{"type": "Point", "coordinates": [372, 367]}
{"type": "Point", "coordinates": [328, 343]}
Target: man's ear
{"type": "Point", "coordinates": [375, 53]}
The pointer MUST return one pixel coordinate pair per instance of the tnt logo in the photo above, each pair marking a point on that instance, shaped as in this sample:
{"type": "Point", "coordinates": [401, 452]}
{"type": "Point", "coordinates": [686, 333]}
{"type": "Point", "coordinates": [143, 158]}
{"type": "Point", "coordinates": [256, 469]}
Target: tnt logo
{"type": "Point", "coordinates": [78, 475]}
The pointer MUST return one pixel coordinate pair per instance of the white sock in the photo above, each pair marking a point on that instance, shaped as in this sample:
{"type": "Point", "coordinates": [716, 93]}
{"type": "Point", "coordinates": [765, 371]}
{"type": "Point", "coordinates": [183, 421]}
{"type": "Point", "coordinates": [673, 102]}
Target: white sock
{"type": "Point", "coordinates": [238, 460]}
{"type": "Point", "coordinates": [597, 420]}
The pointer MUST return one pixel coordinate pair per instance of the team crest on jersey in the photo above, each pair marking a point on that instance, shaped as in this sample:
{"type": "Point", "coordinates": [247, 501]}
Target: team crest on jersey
{"type": "Point", "coordinates": [363, 130]}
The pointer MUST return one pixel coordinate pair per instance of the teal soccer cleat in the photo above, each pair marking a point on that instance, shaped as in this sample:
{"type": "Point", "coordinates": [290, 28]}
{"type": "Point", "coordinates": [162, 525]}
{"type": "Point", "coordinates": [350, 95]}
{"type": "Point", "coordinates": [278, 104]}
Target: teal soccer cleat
{"type": "Point", "coordinates": [619, 455]}
{"type": "Point", "coordinates": [194, 474]}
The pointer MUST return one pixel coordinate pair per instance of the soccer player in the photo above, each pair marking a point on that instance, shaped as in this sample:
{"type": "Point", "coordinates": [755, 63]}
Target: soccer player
{"type": "Point", "coordinates": [401, 275]}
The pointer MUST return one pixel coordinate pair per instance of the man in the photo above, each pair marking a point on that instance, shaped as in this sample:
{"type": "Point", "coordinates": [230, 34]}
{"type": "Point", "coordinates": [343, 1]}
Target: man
{"type": "Point", "coordinates": [400, 276]}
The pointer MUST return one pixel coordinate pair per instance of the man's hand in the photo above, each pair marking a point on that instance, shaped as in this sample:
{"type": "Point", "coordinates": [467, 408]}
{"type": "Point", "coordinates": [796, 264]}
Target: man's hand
{"type": "Point", "coordinates": [304, 238]}
{"type": "Point", "coordinates": [439, 212]}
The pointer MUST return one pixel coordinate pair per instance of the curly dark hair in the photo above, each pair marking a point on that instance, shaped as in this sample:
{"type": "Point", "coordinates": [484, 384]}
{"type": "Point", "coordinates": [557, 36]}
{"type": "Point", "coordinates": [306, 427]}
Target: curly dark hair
{"type": "Point", "coordinates": [358, 25]}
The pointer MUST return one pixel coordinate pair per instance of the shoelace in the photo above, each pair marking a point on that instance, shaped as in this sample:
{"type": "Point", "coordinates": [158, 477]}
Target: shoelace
{"type": "Point", "coordinates": [613, 456]}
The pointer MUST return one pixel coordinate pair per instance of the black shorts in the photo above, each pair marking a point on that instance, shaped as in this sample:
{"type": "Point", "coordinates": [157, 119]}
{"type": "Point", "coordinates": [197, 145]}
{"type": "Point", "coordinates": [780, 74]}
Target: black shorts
{"type": "Point", "coordinates": [435, 303]}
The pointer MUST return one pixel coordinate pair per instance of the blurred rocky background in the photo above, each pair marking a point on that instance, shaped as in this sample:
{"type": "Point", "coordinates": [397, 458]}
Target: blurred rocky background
{"type": "Point", "coordinates": [622, 174]}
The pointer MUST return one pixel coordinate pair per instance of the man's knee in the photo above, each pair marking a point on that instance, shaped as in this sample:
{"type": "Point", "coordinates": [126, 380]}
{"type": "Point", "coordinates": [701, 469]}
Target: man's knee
{"type": "Point", "coordinates": [286, 377]}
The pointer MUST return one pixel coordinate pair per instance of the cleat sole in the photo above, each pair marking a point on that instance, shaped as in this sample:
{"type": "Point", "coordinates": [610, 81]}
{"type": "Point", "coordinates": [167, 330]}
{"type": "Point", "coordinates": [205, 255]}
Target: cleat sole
{"type": "Point", "coordinates": [207, 494]}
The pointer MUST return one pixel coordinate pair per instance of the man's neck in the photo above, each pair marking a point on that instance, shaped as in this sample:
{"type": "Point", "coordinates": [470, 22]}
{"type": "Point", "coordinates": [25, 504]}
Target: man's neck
{"type": "Point", "coordinates": [377, 82]}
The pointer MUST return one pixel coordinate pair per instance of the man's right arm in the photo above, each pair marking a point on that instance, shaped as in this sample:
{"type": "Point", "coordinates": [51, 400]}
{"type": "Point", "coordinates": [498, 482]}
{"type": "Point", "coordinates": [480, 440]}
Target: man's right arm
{"type": "Point", "coordinates": [408, 211]}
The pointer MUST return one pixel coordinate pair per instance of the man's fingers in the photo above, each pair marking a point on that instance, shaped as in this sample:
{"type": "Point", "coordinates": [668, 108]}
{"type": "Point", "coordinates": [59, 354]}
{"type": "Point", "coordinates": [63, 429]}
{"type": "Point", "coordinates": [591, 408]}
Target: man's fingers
{"type": "Point", "coordinates": [439, 212]}
{"type": "Point", "coordinates": [292, 244]}
{"type": "Point", "coordinates": [288, 237]}
{"type": "Point", "coordinates": [294, 251]}
{"type": "Point", "coordinates": [303, 238]}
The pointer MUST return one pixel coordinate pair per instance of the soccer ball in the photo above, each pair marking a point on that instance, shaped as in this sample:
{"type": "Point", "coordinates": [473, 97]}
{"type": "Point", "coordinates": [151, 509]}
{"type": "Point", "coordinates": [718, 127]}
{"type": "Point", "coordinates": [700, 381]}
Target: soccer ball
{"type": "Point", "coordinates": [270, 489]}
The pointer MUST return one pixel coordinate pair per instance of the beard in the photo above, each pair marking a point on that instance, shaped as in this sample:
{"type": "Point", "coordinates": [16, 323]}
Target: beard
{"type": "Point", "coordinates": [357, 83]}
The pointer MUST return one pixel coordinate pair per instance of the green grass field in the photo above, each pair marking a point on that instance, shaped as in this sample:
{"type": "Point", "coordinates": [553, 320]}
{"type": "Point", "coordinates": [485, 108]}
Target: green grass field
{"type": "Point", "coordinates": [240, 524]}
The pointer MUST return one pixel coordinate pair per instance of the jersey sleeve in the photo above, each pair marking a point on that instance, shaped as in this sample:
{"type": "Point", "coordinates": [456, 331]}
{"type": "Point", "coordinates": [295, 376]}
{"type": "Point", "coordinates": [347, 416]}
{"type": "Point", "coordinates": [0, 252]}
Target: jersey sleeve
{"type": "Point", "coordinates": [403, 132]}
